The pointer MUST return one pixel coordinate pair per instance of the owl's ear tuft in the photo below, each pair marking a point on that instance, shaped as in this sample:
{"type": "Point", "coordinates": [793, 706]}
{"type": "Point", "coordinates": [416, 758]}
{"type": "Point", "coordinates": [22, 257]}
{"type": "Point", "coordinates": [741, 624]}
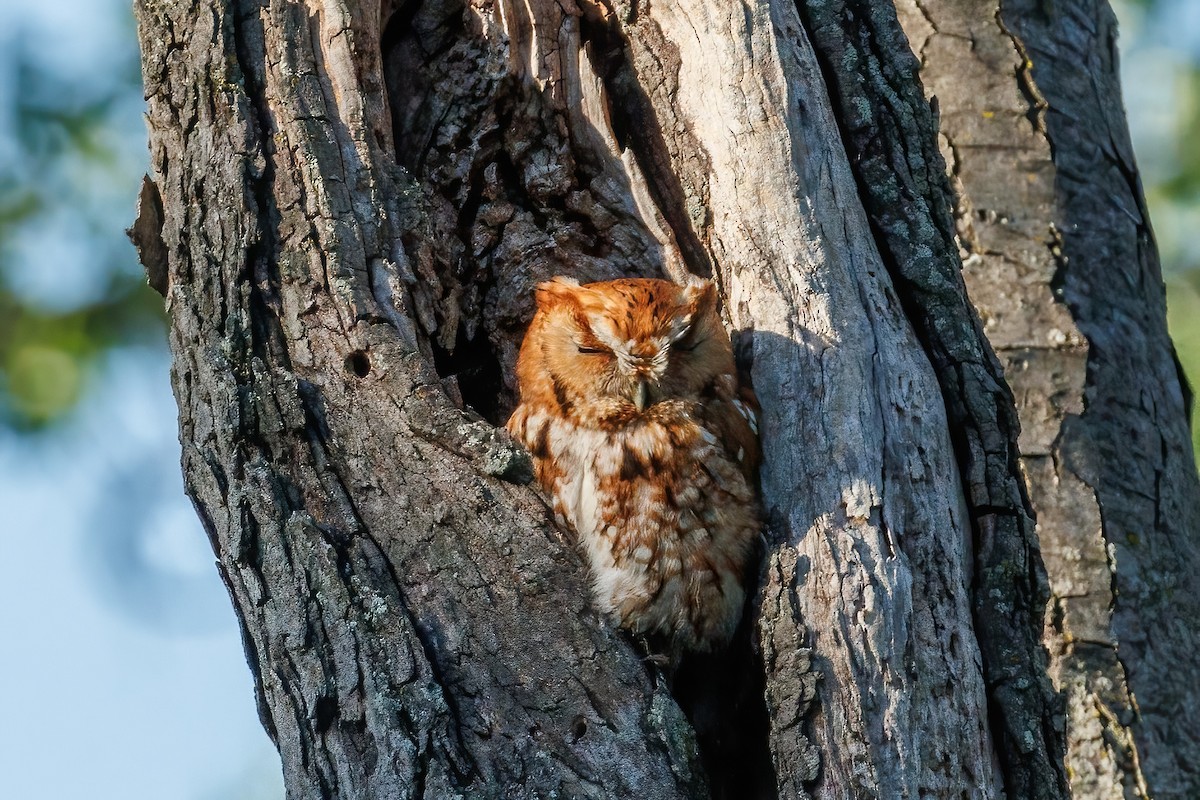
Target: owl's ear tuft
{"type": "Point", "coordinates": [701, 298]}
{"type": "Point", "coordinates": [555, 291]}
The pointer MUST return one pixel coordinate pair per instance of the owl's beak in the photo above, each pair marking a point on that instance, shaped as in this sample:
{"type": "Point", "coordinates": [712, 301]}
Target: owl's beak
{"type": "Point", "coordinates": [641, 395]}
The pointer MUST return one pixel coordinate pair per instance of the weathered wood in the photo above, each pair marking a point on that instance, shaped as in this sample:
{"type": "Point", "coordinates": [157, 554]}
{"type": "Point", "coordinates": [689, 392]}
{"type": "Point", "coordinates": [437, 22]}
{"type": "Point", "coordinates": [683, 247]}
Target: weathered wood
{"type": "Point", "coordinates": [891, 134]}
{"type": "Point", "coordinates": [1062, 266]}
{"type": "Point", "coordinates": [868, 561]}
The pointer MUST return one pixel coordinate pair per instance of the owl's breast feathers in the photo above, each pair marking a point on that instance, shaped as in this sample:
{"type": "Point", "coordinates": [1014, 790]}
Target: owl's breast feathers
{"type": "Point", "coordinates": [663, 505]}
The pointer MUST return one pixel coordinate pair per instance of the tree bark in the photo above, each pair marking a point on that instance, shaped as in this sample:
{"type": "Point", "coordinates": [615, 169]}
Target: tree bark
{"type": "Point", "coordinates": [357, 201]}
{"type": "Point", "coordinates": [1061, 263]}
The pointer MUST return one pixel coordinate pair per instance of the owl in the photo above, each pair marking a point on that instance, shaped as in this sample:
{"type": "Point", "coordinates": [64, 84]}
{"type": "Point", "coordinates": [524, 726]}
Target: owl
{"type": "Point", "coordinates": [631, 410]}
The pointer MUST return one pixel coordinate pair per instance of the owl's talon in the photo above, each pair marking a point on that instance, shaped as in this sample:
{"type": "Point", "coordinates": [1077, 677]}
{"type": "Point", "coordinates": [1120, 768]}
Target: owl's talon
{"type": "Point", "coordinates": [662, 664]}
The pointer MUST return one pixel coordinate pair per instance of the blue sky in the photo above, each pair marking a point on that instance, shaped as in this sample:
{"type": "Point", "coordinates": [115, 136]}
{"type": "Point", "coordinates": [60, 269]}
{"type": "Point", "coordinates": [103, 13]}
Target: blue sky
{"type": "Point", "coordinates": [125, 678]}
{"type": "Point", "coordinates": [115, 689]}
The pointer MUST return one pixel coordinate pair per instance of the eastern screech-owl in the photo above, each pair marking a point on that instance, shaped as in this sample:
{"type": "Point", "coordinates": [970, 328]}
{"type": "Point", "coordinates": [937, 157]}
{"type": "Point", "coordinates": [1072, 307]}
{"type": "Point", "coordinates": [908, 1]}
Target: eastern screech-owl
{"type": "Point", "coordinates": [630, 407]}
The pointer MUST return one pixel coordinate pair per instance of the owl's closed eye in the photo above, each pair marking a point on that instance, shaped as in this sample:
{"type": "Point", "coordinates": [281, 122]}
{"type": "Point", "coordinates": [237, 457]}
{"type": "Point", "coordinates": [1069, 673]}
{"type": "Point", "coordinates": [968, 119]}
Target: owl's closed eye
{"type": "Point", "coordinates": [631, 408]}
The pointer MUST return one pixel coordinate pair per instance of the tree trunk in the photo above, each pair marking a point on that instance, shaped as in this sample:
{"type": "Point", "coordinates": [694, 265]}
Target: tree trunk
{"type": "Point", "coordinates": [356, 202]}
{"type": "Point", "coordinates": [1061, 263]}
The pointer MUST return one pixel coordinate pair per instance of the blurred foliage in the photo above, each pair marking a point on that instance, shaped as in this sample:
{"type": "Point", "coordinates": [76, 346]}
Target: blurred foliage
{"type": "Point", "coordinates": [1160, 60]}
{"type": "Point", "coordinates": [1183, 183]}
{"type": "Point", "coordinates": [71, 154]}
{"type": "Point", "coordinates": [1183, 318]}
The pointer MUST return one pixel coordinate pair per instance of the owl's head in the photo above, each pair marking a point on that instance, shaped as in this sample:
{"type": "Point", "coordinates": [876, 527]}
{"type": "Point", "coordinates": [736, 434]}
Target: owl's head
{"type": "Point", "coordinates": [631, 342]}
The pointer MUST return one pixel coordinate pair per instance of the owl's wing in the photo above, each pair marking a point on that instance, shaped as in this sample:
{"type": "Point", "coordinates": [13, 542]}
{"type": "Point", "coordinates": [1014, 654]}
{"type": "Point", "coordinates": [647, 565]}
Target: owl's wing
{"type": "Point", "coordinates": [734, 421]}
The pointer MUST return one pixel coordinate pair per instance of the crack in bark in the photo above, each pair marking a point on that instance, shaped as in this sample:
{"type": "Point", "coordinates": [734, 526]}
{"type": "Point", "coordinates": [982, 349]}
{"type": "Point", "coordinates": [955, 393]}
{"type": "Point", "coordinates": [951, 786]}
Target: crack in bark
{"type": "Point", "coordinates": [1029, 88]}
{"type": "Point", "coordinates": [1077, 170]}
{"type": "Point", "coordinates": [1065, 80]}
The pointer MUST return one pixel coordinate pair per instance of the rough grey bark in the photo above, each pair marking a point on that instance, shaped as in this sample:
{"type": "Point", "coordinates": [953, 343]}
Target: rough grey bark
{"type": "Point", "coordinates": [355, 202]}
{"type": "Point", "coordinates": [868, 562]}
{"type": "Point", "coordinates": [888, 128]}
{"type": "Point", "coordinates": [1061, 263]}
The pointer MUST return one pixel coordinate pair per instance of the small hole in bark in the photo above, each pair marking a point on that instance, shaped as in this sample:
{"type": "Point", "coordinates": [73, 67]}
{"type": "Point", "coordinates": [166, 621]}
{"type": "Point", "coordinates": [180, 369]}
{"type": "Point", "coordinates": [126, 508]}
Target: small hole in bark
{"type": "Point", "coordinates": [359, 363]}
{"type": "Point", "coordinates": [325, 713]}
{"type": "Point", "coordinates": [578, 727]}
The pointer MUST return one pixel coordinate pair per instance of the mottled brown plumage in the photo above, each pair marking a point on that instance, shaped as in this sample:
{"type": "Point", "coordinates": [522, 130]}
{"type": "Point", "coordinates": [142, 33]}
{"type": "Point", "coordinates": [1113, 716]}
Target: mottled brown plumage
{"type": "Point", "coordinates": [631, 409]}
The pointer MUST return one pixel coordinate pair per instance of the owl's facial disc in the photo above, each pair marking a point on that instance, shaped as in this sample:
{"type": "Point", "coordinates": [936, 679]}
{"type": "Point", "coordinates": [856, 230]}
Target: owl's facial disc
{"type": "Point", "coordinates": [638, 337]}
